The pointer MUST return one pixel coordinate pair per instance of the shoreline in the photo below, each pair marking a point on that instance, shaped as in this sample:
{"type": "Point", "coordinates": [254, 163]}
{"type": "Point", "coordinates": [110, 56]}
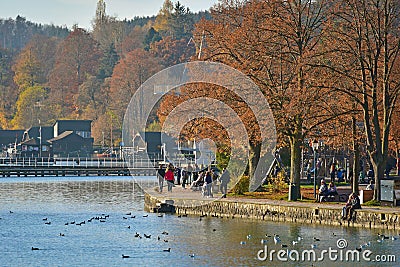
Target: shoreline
{"type": "Point", "coordinates": [180, 203]}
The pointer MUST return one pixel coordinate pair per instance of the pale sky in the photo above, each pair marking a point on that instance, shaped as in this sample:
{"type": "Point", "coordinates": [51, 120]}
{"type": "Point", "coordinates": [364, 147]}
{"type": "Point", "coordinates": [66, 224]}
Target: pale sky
{"type": "Point", "coordinates": [81, 12]}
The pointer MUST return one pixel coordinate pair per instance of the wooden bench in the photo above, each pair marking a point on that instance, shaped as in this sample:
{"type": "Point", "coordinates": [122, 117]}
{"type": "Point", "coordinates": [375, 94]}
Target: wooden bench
{"type": "Point", "coordinates": [366, 195]}
{"type": "Point", "coordinates": [342, 196]}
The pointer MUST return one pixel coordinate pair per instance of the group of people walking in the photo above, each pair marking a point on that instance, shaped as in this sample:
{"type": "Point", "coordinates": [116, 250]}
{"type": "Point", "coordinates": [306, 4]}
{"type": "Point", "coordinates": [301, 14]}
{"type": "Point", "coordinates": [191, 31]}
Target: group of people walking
{"type": "Point", "coordinates": [167, 175]}
{"type": "Point", "coordinates": [202, 180]}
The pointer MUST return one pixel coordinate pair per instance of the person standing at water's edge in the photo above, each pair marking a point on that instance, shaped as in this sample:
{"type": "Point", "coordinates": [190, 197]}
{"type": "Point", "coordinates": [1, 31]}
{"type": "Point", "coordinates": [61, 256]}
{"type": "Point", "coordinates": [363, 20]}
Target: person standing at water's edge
{"type": "Point", "coordinates": [208, 181]}
{"type": "Point", "coordinates": [160, 176]}
{"type": "Point", "coordinates": [169, 177]}
{"type": "Point", "coordinates": [225, 179]}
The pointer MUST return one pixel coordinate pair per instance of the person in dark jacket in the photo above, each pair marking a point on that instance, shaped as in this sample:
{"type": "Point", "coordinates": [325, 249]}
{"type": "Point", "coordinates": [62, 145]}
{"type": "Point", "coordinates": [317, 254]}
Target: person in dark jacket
{"type": "Point", "coordinates": [225, 179]}
{"type": "Point", "coordinates": [352, 204]}
{"type": "Point", "coordinates": [160, 176]}
{"type": "Point", "coordinates": [208, 181]}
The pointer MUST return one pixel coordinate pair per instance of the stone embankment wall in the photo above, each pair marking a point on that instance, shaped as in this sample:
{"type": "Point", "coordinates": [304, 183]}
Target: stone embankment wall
{"type": "Point", "coordinates": [292, 212]}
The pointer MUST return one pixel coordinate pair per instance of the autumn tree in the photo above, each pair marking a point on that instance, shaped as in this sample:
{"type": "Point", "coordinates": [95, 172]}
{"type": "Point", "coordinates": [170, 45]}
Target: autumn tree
{"type": "Point", "coordinates": [172, 52]}
{"type": "Point", "coordinates": [4, 123]}
{"type": "Point", "coordinates": [107, 30]}
{"type": "Point", "coordinates": [366, 52]}
{"type": "Point", "coordinates": [8, 90]}
{"type": "Point", "coordinates": [134, 40]}
{"type": "Point", "coordinates": [204, 127]}
{"type": "Point", "coordinates": [90, 98]}
{"type": "Point", "coordinates": [35, 62]}
{"type": "Point", "coordinates": [77, 57]}
{"type": "Point", "coordinates": [164, 17]}
{"type": "Point", "coordinates": [101, 130]}
{"type": "Point", "coordinates": [44, 48]}
{"type": "Point", "coordinates": [27, 70]}
{"type": "Point", "coordinates": [131, 71]}
{"type": "Point", "coordinates": [395, 135]}
{"type": "Point", "coordinates": [28, 108]}
{"type": "Point", "coordinates": [174, 20]}
{"type": "Point", "coordinates": [274, 44]}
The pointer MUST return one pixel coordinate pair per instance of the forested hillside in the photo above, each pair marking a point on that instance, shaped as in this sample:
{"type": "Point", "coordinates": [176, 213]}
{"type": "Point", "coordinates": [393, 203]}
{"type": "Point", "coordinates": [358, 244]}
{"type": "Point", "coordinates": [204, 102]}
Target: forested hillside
{"type": "Point", "coordinates": [48, 72]}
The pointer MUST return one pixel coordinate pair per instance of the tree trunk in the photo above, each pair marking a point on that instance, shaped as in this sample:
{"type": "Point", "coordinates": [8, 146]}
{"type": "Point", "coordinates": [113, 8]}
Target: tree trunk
{"type": "Point", "coordinates": [356, 160]}
{"type": "Point", "coordinates": [379, 171]}
{"type": "Point", "coordinates": [397, 159]}
{"type": "Point", "coordinates": [356, 168]}
{"type": "Point", "coordinates": [295, 163]}
{"type": "Point", "coordinates": [254, 157]}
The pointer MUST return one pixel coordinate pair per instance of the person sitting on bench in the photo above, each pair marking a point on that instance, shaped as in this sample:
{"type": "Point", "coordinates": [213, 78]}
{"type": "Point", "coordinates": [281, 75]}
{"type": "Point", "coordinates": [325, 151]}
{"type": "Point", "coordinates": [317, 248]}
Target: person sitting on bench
{"type": "Point", "coordinates": [352, 204]}
{"type": "Point", "coordinates": [332, 191]}
{"type": "Point", "coordinates": [323, 191]}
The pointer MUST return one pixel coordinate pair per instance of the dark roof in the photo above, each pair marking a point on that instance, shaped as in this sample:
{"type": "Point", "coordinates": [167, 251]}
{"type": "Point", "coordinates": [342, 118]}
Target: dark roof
{"type": "Point", "coordinates": [31, 141]}
{"type": "Point", "coordinates": [47, 132]}
{"type": "Point", "coordinates": [72, 121]}
{"type": "Point", "coordinates": [61, 126]}
{"type": "Point", "coordinates": [61, 136]}
{"type": "Point", "coordinates": [10, 136]}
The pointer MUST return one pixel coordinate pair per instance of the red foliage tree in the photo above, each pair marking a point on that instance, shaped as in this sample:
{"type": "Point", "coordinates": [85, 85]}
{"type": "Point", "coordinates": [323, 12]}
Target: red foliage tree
{"type": "Point", "coordinates": [78, 56]}
{"type": "Point", "coordinates": [131, 71]}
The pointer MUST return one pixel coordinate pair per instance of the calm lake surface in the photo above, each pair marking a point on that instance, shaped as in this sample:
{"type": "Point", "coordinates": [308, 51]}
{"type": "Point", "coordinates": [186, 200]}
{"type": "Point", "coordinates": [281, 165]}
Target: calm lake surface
{"type": "Point", "coordinates": [27, 204]}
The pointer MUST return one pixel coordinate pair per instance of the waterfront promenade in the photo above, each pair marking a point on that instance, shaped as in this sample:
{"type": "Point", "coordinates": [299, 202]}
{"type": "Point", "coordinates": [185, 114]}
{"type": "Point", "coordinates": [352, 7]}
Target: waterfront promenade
{"type": "Point", "coordinates": [185, 201]}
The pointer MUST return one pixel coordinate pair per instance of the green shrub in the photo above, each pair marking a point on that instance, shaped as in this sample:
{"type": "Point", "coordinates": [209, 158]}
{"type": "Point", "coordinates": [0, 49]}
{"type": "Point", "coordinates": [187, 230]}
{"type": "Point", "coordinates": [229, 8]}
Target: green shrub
{"type": "Point", "coordinates": [278, 183]}
{"type": "Point", "coordinates": [242, 186]}
{"type": "Point", "coordinates": [372, 203]}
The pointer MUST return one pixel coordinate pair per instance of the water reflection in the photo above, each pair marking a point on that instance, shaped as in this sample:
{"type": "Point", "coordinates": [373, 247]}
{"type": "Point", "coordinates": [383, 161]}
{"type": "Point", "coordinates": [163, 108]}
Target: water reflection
{"type": "Point", "coordinates": [34, 194]}
{"type": "Point", "coordinates": [213, 241]}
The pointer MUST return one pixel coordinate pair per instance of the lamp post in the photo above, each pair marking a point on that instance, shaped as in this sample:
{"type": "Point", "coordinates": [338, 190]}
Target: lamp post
{"type": "Point", "coordinates": [315, 147]}
{"type": "Point", "coordinates": [40, 141]}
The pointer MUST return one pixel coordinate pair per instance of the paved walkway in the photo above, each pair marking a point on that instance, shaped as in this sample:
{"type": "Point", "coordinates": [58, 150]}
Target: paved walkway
{"type": "Point", "coordinates": [188, 194]}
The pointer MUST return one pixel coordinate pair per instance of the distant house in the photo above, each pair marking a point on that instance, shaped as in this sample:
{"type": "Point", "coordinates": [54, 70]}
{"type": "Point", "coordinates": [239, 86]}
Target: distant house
{"type": "Point", "coordinates": [65, 138]}
{"type": "Point", "coordinates": [72, 138]}
{"type": "Point", "coordinates": [71, 144]}
{"type": "Point", "coordinates": [34, 142]}
{"type": "Point", "coordinates": [9, 140]}
{"type": "Point", "coordinates": [8, 137]}
{"type": "Point", "coordinates": [79, 127]}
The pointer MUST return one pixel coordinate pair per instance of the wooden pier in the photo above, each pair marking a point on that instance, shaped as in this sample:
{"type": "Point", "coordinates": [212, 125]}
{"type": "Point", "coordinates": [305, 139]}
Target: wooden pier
{"type": "Point", "coordinates": [77, 171]}
{"type": "Point", "coordinates": [73, 167]}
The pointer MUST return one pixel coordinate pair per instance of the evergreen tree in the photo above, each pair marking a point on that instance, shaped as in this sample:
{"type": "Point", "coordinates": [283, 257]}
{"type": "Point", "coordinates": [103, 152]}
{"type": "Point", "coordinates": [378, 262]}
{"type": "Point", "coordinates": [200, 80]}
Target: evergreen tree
{"type": "Point", "coordinates": [152, 36]}
{"type": "Point", "coordinates": [182, 22]}
{"type": "Point", "coordinates": [108, 61]}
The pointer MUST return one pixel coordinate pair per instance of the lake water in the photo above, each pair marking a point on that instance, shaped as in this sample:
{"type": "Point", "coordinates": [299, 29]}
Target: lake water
{"type": "Point", "coordinates": [27, 204]}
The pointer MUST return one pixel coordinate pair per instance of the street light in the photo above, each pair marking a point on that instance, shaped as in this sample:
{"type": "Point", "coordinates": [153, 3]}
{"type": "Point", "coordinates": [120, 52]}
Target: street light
{"type": "Point", "coordinates": [315, 145]}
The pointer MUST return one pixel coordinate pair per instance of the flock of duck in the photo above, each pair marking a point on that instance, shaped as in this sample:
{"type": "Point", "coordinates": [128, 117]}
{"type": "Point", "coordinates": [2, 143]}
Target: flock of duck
{"type": "Point", "coordinates": [102, 219]}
